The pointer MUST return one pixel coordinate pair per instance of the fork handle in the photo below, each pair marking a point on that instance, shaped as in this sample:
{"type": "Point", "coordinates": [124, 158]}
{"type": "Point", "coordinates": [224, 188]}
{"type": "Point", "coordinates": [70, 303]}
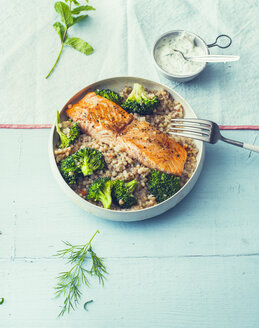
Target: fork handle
{"type": "Point", "coordinates": [251, 147]}
{"type": "Point", "coordinates": [241, 144]}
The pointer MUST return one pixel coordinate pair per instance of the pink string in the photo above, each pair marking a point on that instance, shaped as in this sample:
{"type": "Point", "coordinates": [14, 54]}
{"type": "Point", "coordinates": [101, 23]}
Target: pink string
{"type": "Point", "coordinates": [239, 127]}
{"type": "Point", "coordinates": [48, 126]}
{"type": "Point", "coordinates": [25, 126]}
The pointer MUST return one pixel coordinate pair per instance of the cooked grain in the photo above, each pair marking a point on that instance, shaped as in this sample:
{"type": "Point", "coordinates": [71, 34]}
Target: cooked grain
{"type": "Point", "coordinates": [120, 165]}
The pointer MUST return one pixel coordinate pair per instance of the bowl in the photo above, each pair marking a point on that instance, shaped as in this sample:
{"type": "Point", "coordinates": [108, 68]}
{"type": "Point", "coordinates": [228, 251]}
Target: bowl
{"type": "Point", "coordinates": [116, 84]}
{"type": "Point", "coordinates": [179, 77]}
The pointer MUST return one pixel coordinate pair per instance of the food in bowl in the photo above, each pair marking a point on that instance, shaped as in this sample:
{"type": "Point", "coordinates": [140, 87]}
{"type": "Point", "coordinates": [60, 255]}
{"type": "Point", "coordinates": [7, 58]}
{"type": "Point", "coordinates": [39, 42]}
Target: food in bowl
{"type": "Point", "coordinates": [169, 58]}
{"type": "Point", "coordinates": [121, 138]}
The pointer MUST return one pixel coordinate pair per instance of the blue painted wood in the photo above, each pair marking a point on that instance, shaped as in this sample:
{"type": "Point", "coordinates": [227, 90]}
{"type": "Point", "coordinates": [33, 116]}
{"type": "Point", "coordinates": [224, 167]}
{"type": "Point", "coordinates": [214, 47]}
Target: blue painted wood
{"type": "Point", "coordinates": [194, 266]}
{"type": "Point", "coordinates": [168, 292]}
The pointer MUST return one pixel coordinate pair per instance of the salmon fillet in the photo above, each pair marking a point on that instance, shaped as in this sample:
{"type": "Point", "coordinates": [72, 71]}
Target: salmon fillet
{"type": "Point", "coordinates": [109, 123]}
{"type": "Point", "coordinates": [99, 117]}
{"type": "Point", "coordinates": [152, 148]}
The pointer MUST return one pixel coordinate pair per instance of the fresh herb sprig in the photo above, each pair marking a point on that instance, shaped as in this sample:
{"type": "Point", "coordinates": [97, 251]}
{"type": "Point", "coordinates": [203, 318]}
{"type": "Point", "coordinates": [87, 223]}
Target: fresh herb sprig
{"type": "Point", "coordinates": [69, 283]}
{"type": "Point", "coordinates": [70, 16]}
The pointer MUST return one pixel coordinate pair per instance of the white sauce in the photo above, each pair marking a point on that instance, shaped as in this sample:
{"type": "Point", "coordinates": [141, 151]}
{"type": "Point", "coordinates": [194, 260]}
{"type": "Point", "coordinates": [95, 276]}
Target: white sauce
{"type": "Point", "coordinates": [172, 61]}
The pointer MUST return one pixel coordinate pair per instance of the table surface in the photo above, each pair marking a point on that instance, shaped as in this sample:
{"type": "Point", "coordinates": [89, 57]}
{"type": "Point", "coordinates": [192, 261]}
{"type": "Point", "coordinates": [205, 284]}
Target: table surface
{"type": "Point", "coordinates": [196, 265]}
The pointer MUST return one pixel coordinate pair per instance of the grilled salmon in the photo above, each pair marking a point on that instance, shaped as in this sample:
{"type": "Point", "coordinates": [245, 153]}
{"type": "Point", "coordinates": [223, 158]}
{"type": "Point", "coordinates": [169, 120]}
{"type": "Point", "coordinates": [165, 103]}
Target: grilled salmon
{"type": "Point", "coordinates": [152, 147]}
{"type": "Point", "coordinates": [99, 117]}
{"type": "Point", "coordinates": [109, 123]}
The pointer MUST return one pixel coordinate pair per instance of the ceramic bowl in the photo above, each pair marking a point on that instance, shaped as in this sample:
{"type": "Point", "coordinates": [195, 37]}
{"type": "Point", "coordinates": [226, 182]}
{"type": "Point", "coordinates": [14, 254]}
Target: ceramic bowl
{"type": "Point", "coordinates": [116, 84]}
{"type": "Point", "coordinates": [179, 77]}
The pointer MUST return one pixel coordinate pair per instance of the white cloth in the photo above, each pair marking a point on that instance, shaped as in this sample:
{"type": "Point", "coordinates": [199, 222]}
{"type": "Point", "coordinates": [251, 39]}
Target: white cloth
{"type": "Point", "coordinates": [122, 34]}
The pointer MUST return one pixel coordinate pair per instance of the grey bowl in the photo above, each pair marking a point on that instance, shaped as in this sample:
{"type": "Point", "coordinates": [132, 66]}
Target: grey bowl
{"type": "Point", "coordinates": [177, 77]}
{"type": "Point", "coordinates": [116, 84]}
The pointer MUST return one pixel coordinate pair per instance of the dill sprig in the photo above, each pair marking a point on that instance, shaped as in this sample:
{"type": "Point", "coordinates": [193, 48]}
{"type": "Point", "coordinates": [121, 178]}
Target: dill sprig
{"type": "Point", "coordinates": [69, 283]}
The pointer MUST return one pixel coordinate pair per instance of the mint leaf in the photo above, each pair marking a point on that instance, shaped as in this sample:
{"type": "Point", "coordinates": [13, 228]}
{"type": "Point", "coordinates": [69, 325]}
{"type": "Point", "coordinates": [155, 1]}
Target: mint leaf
{"type": "Point", "coordinates": [65, 13]}
{"type": "Point", "coordinates": [60, 28]}
{"type": "Point", "coordinates": [78, 10]}
{"type": "Point", "coordinates": [74, 1]}
{"type": "Point", "coordinates": [70, 17]}
{"type": "Point", "coordinates": [78, 18]}
{"type": "Point", "coordinates": [79, 45]}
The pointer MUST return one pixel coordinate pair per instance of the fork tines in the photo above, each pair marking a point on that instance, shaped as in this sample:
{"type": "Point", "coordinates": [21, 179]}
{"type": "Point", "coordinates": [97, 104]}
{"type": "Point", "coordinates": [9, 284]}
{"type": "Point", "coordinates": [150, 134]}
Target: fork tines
{"type": "Point", "coordinates": [191, 128]}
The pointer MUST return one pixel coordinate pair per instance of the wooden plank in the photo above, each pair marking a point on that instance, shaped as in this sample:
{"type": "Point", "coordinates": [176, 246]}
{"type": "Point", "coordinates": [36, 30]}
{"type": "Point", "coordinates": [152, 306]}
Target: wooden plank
{"type": "Point", "coordinates": [141, 292]}
{"type": "Point", "coordinates": [220, 216]}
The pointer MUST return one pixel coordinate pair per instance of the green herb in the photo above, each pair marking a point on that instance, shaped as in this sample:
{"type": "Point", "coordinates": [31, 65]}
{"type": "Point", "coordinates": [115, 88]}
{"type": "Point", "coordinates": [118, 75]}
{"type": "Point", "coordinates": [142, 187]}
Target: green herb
{"type": "Point", "coordinates": [70, 17]}
{"type": "Point", "coordinates": [86, 303]}
{"type": "Point", "coordinates": [69, 283]}
{"type": "Point", "coordinates": [1, 300]}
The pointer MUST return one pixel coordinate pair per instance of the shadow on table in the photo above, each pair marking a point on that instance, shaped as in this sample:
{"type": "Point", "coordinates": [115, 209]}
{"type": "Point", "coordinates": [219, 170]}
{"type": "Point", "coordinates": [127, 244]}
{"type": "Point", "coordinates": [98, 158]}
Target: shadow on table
{"type": "Point", "coordinates": [216, 162]}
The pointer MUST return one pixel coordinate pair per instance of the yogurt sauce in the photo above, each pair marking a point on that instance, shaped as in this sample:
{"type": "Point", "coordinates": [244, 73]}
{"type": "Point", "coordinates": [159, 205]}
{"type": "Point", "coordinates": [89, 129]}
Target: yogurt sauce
{"type": "Point", "coordinates": [172, 61]}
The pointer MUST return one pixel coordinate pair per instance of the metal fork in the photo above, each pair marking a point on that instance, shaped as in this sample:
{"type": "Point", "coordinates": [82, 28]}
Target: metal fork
{"type": "Point", "coordinates": [203, 130]}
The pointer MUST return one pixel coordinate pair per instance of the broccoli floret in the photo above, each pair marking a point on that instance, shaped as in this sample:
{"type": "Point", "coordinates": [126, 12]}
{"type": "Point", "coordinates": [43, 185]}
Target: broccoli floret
{"type": "Point", "coordinates": [86, 161]}
{"type": "Point", "coordinates": [111, 95]}
{"type": "Point", "coordinates": [122, 193]}
{"type": "Point", "coordinates": [100, 190]}
{"type": "Point", "coordinates": [162, 185]}
{"type": "Point", "coordinates": [89, 160]}
{"type": "Point", "coordinates": [138, 102]}
{"type": "Point", "coordinates": [67, 138]}
{"type": "Point", "coordinates": [69, 170]}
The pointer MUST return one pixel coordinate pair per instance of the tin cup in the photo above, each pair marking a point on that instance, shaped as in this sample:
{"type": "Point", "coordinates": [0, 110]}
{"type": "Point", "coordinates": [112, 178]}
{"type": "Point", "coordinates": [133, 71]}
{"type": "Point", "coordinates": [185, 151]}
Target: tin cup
{"type": "Point", "coordinates": [222, 41]}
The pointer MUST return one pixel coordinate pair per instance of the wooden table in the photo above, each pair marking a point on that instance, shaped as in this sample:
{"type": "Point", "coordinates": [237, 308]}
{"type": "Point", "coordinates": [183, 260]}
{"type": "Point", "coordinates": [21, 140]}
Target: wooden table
{"type": "Point", "coordinates": [195, 266]}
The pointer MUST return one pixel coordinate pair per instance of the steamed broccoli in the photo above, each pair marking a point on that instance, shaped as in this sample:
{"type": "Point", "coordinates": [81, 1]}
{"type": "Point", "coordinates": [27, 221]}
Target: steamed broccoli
{"type": "Point", "coordinates": [111, 95]}
{"type": "Point", "coordinates": [162, 185]}
{"type": "Point", "coordinates": [100, 190]}
{"type": "Point", "coordinates": [89, 160]}
{"type": "Point", "coordinates": [86, 161]}
{"type": "Point", "coordinates": [72, 133]}
{"type": "Point", "coordinates": [138, 102]}
{"type": "Point", "coordinates": [69, 170]}
{"type": "Point", "coordinates": [122, 193]}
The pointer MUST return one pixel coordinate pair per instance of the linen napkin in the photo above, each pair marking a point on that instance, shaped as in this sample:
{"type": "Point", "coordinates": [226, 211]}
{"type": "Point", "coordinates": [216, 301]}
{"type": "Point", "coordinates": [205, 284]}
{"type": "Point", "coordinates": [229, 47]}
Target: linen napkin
{"type": "Point", "coordinates": [122, 34]}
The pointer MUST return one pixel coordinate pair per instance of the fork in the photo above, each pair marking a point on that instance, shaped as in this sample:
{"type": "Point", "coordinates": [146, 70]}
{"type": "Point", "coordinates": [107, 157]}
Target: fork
{"type": "Point", "coordinates": [203, 130]}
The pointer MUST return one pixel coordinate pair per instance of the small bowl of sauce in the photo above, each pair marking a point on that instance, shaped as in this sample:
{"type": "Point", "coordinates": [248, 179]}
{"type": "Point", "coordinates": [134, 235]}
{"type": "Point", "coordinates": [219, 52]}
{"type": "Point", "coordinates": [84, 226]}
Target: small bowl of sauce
{"type": "Point", "coordinates": [171, 63]}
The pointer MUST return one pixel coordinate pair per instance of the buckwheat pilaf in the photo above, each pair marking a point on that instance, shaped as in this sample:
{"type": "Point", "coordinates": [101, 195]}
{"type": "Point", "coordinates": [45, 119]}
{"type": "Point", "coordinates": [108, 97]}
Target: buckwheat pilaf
{"type": "Point", "coordinates": [120, 165]}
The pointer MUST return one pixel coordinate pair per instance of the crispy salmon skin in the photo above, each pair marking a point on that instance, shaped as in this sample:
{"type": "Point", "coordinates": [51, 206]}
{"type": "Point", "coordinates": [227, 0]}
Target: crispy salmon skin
{"type": "Point", "coordinates": [110, 124]}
